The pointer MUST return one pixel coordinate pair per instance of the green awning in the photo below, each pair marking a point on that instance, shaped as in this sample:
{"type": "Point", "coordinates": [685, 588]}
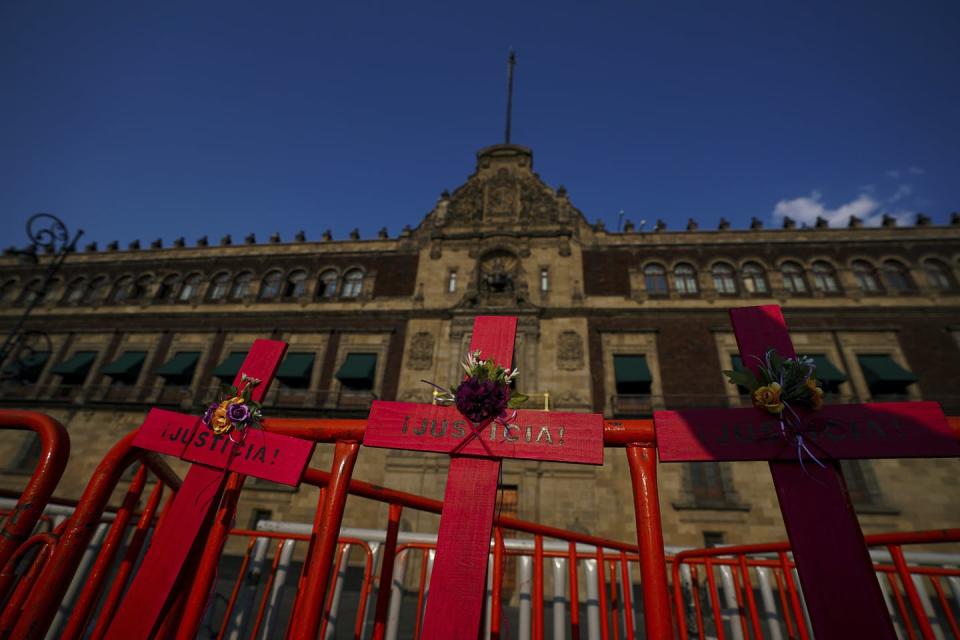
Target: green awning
{"type": "Point", "coordinates": [878, 369]}
{"type": "Point", "coordinates": [229, 368]}
{"type": "Point", "coordinates": [126, 365]}
{"type": "Point", "coordinates": [31, 365]}
{"type": "Point", "coordinates": [826, 371]}
{"type": "Point", "coordinates": [737, 362]}
{"type": "Point", "coordinates": [631, 369]}
{"type": "Point", "coordinates": [77, 365]}
{"type": "Point", "coordinates": [180, 365]}
{"type": "Point", "coordinates": [297, 366]}
{"type": "Point", "coordinates": [358, 369]}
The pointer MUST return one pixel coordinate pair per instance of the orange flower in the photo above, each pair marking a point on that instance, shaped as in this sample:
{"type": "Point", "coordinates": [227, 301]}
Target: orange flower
{"type": "Point", "coordinates": [768, 398]}
{"type": "Point", "coordinates": [816, 393]}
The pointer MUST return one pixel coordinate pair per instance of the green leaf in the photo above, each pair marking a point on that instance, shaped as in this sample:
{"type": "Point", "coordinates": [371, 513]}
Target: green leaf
{"type": "Point", "coordinates": [744, 378]}
{"type": "Point", "coordinates": [228, 390]}
{"type": "Point", "coordinates": [517, 399]}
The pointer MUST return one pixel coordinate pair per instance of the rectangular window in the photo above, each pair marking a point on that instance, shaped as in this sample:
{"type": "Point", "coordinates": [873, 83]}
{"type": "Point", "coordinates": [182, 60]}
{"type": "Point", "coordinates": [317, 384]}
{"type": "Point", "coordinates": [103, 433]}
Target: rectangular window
{"type": "Point", "coordinates": [712, 539]}
{"type": "Point", "coordinates": [452, 282]}
{"type": "Point", "coordinates": [257, 515]}
{"type": "Point", "coordinates": [544, 280]}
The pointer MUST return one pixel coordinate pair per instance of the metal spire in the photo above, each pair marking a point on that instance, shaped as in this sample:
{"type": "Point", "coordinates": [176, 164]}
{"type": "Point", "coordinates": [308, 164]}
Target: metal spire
{"type": "Point", "coordinates": [511, 61]}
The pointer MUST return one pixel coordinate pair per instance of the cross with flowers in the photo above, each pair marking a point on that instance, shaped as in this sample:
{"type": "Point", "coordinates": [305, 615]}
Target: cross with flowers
{"type": "Point", "coordinates": [803, 440]}
{"type": "Point", "coordinates": [480, 430]}
{"type": "Point", "coordinates": [224, 440]}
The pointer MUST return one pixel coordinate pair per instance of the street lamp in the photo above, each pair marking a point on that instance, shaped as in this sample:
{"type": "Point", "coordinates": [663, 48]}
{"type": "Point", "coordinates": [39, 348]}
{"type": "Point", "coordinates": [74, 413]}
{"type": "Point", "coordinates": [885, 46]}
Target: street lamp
{"type": "Point", "coordinates": [50, 236]}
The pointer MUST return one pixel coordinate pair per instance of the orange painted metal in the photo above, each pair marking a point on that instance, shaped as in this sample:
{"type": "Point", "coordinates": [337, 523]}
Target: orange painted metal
{"type": "Point", "coordinates": [656, 599]}
{"type": "Point", "coordinates": [93, 585]}
{"type": "Point", "coordinates": [602, 597]}
{"type": "Point", "coordinates": [421, 595]}
{"type": "Point", "coordinates": [911, 590]}
{"type": "Point", "coordinates": [54, 452]}
{"type": "Point", "coordinates": [574, 588]}
{"type": "Point", "coordinates": [942, 598]}
{"type": "Point", "coordinates": [13, 606]}
{"type": "Point", "coordinates": [238, 583]}
{"type": "Point", "coordinates": [751, 600]}
{"type": "Point", "coordinates": [42, 603]}
{"type": "Point", "coordinates": [537, 590]}
{"type": "Point", "coordinates": [126, 565]}
{"type": "Point", "coordinates": [387, 560]}
{"type": "Point", "coordinates": [326, 530]}
{"type": "Point", "coordinates": [614, 601]}
{"type": "Point", "coordinates": [496, 593]}
{"type": "Point", "coordinates": [714, 599]}
{"type": "Point", "coordinates": [267, 588]}
{"type": "Point", "coordinates": [206, 570]}
{"type": "Point", "coordinates": [627, 592]}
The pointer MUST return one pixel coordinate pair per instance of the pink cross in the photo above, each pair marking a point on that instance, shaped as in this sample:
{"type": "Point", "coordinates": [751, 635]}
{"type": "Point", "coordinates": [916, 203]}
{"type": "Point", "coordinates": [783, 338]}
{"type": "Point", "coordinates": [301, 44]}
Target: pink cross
{"type": "Point", "coordinates": [839, 584]}
{"type": "Point", "coordinates": [259, 453]}
{"type": "Point", "coordinates": [458, 584]}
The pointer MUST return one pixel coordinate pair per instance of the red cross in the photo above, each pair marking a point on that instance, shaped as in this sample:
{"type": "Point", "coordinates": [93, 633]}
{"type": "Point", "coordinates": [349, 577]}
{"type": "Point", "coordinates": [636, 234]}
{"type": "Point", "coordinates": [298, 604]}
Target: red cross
{"type": "Point", "coordinates": [839, 584]}
{"type": "Point", "coordinates": [458, 584]}
{"type": "Point", "coordinates": [261, 454]}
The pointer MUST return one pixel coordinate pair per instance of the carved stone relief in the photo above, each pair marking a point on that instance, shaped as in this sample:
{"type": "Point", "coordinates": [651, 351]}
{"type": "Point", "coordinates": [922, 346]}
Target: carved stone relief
{"type": "Point", "coordinates": [570, 351]}
{"type": "Point", "coordinates": [421, 351]}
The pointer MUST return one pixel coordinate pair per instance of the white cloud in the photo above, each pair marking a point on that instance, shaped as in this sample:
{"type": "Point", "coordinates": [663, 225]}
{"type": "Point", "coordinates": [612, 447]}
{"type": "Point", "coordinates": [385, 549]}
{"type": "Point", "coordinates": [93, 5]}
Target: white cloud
{"type": "Point", "coordinates": [866, 207]}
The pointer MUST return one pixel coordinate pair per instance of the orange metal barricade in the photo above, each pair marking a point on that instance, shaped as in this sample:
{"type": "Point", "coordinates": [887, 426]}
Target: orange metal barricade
{"type": "Point", "coordinates": [54, 452]}
{"type": "Point", "coordinates": [741, 560]}
{"type": "Point", "coordinates": [30, 608]}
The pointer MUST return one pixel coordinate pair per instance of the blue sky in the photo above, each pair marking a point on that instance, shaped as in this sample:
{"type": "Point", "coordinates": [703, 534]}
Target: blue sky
{"type": "Point", "coordinates": [169, 119]}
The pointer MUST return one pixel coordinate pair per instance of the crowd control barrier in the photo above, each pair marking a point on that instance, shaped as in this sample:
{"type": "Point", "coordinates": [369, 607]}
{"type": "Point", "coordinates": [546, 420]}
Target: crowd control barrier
{"type": "Point", "coordinates": [66, 578]}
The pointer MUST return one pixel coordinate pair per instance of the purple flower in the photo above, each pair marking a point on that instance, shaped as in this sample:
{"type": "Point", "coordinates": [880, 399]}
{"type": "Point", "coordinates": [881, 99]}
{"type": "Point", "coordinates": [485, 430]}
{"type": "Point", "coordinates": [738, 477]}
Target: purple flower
{"type": "Point", "coordinates": [480, 400]}
{"type": "Point", "coordinates": [238, 413]}
{"type": "Point", "coordinates": [208, 416]}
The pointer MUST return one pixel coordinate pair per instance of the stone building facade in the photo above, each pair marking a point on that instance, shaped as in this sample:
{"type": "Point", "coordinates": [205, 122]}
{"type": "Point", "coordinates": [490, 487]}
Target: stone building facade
{"type": "Point", "coordinates": [618, 322]}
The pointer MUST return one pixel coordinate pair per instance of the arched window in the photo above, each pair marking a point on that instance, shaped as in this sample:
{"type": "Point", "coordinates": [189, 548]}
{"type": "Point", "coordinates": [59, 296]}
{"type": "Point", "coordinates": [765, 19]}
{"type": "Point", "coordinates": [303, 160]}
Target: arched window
{"type": "Point", "coordinates": [824, 277]}
{"type": "Point", "coordinates": [295, 286]}
{"type": "Point", "coordinates": [938, 274]}
{"type": "Point", "coordinates": [75, 291]}
{"type": "Point", "coordinates": [866, 276]}
{"type": "Point", "coordinates": [31, 292]}
{"type": "Point", "coordinates": [270, 286]}
{"type": "Point", "coordinates": [352, 284]}
{"type": "Point", "coordinates": [140, 287]}
{"type": "Point", "coordinates": [898, 276]}
{"type": "Point", "coordinates": [655, 278]}
{"type": "Point", "coordinates": [190, 286]}
{"type": "Point", "coordinates": [793, 280]}
{"type": "Point", "coordinates": [219, 286]}
{"type": "Point", "coordinates": [167, 289]}
{"type": "Point", "coordinates": [754, 278]}
{"type": "Point", "coordinates": [241, 286]}
{"type": "Point", "coordinates": [723, 279]}
{"type": "Point", "coordinates": [7, 289]}
{"type": "Point", "coordinates": [328, 284]}
{"type": "Point", "coordinates": [685, 279]}
{"type": "Point", "coordinates": [96, 290]}
{"type": "Point", "coordinates": [121, 290]}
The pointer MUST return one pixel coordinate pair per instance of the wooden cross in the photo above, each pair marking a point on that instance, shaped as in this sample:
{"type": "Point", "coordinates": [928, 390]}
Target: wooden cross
{"type": "Point", "coordinates": [259, 453]}
{"type": "Point", "coordinates": [839, 584]}
{"type": "Point", "coordinates": [458, 583]}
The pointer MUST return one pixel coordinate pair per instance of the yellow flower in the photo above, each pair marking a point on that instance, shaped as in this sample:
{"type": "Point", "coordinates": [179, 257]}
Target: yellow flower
{"type": "Point", "coordinates": [768, 398]}
{"type": "Point", "coordinates": [220, 423]}
{"type": "Point", "coordinates": [816, 393]}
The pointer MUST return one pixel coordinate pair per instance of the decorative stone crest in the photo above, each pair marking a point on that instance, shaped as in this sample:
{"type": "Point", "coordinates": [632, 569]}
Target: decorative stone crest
{"type": "Point", "coordinates": [421, 351]}
{"type": "Point", "coordinates": [570, 351]}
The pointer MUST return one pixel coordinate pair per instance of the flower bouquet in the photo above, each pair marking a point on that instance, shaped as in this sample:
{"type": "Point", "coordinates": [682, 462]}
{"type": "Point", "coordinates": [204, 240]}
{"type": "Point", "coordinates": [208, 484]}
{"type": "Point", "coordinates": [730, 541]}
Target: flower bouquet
{"type": "Point", "coordinates": [485, 393]}
{"type": "Point", "coordinates": [236, 410]}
